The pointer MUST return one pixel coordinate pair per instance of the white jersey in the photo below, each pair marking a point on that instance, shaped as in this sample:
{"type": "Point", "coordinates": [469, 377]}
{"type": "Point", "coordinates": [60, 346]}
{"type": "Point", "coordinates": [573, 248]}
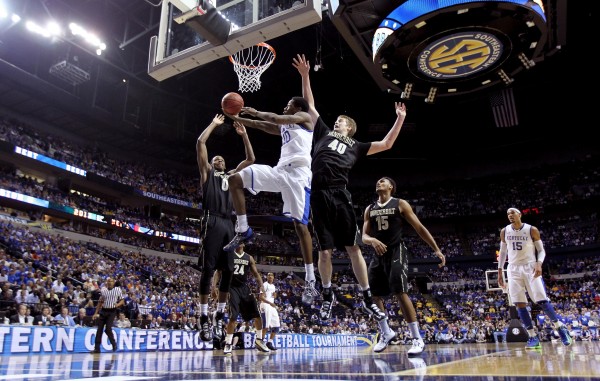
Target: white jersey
{"type": "Point", "coordinates": [268, 291]}
{"type": "Point", "coordinates": [296, 143]}
{"type": "Point", "coordinates": [519, 243]}
{"type": "Point", "coordinates": [270, 315]}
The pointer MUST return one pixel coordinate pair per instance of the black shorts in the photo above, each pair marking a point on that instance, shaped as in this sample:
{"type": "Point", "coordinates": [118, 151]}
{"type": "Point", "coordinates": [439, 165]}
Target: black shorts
{"type": "Point", "coordinates": [388, 274]}
{"type": "Point", "coordinates": [333, 218]}
{"type": "Point", "coordinates": [216, 233]}
{"type": "Point", "coordinates": [242, 302]}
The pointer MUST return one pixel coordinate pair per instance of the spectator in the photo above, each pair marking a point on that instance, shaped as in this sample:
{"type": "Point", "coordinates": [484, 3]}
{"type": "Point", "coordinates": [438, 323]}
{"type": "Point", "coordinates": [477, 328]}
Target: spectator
{"type": "Point", "coordinates": [21, 317]}
{"type": "Point", "coordinates": [82, 319]}
{"type": "Point", "coordinates": [65, 317]}
{"type": "Point", "coordinates": [45, 318]}
{"type": "Point", "coordinates": [122, 321]}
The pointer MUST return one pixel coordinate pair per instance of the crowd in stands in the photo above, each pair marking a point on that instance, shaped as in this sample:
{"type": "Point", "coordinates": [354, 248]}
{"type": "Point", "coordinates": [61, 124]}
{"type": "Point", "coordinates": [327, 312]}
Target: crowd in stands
{"type": "Point", "coordinates": [45, 270]}
{"type": "Point", "coordinates": [139, 175]}
{"type": "Point", "coordinates": [574, 230]}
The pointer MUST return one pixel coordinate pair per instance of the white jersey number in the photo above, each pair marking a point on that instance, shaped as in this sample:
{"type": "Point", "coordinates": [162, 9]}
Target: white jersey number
{"type": "Point", "coordinates": [338, 146]}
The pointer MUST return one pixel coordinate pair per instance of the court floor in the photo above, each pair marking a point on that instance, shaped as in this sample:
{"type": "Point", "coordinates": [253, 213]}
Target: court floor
{"type": "Point", "coordinates": [472, 362]}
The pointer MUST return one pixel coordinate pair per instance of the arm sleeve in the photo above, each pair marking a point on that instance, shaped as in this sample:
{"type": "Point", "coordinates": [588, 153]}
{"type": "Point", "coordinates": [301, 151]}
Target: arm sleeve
{"type": "Point", "coordinates": [503, 254]}
{"type": "Point", "coordinates": [541, 253]}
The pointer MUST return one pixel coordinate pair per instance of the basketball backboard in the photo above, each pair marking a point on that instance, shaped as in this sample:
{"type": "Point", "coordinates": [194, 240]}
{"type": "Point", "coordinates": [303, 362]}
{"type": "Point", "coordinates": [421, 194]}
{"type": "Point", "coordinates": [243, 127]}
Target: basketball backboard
{"type": "Point", "coordinates": [491, 281]}
{"type": "Point", "coordinates": [179, 47]}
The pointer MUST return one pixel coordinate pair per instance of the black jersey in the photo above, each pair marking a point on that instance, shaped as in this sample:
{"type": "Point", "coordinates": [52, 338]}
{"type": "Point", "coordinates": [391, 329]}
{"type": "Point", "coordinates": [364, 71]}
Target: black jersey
{"type": "Point", "coordinates": [386, 222]}
{"type": "Point", "coordinates": [333, 157]}
{"type": "Point", "coordinates": [214, 198]}
{"type": "Point", "coordinates": [241, 267]}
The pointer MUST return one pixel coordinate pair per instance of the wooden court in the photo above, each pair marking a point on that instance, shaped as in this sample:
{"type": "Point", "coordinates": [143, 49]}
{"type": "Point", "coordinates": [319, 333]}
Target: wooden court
{"type": "Point", "coordinates": [473, 362]}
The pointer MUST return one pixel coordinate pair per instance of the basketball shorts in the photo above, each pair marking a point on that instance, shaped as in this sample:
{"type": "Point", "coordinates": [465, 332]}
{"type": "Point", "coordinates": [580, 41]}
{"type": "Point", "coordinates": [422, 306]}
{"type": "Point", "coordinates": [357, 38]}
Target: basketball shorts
{"type": "Point", "coordinates": [270, 316]}
{"type": "Point", "coordinates": [292, 182]}
{"type": "Point", "coordinates": [333, 218]}
{"type": "Point", "coordinates": [388, 274]}
{"type": "Point", "coordinates": [216, 232]}
{"type": "Point", "coordinates": [521, 280]}
{"type": "Point", "coordinates": [242, 302]}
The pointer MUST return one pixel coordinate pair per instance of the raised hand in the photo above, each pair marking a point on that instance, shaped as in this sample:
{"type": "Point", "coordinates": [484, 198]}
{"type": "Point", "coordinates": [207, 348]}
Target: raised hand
{"type": "Point", "coordinates": [218, 119]}
{"type": "Point", "coordinates": [239, 128]}
{"type": "Point", "coordinates": [248, 111]}
{"type": "Point", "coordinates": [400, 109]}
{"type": "Point", "coordinates": [301, 64]}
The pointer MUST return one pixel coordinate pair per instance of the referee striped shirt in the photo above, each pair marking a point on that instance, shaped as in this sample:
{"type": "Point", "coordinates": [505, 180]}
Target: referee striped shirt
{"type": "Point", "coordinates": [111, 296]}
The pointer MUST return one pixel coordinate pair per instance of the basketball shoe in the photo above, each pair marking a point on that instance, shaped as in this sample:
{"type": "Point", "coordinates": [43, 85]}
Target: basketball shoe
{"type": "Point", "coordinates": [260, 345]}
{"type": "Point", "coordinates": [310, 292]}
{"type": "Point", "coordinates": [564, 336]}
{"type": "Point", "coordinates": [533, 343]}
{"type": "Point", "coordinates": [418, 345]}
{"type": "Point", "coordinates": [219, 331]}
{"type": "Point", "coordinates": [384, 340]}
{"type": "Point", "coordinates": [370, 308]}
{"type": "Point", "coordinates": [238, 239]}
{"type": "Point", "coordinates": [205, 332]}
{"type": "Point", "coordinates": [328, 303]}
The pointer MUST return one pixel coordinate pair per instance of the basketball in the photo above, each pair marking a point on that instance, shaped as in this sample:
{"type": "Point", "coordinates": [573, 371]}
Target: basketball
{"type": "Point", "coordinates": [232, 103]}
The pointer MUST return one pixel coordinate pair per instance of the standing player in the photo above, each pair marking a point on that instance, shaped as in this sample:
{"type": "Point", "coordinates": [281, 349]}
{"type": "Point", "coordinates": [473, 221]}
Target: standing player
{"type": "Point", "coordinates": [241, 300]}
{"type": "Point", "coordinates": [111, 299]}
{"type": "Point", "coordinates": [217, 227]}
{"type": "Point", "coordinates": [388, 271]}
{"type": "Point", "coordinates": [334, 154]}
{"type": "Point", "coordinates": [268, 308]}
{"type": "Point", "coordinates": [522, 245]}
{"type": "Point", "coordinates": [291, 176]}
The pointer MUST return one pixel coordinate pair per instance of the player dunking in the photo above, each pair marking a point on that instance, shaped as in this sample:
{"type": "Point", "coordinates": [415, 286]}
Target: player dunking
{"type": "Point", "coordinates": [522, 245]}
{"type": "Point", "coordinates": [334, 154]}
{"type": "Point", "coordinates": [217, 227]}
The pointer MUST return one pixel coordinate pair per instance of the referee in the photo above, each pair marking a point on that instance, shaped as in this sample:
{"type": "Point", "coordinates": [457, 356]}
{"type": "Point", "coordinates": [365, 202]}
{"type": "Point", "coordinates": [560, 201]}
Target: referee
{"type": "Point", "coordinates": [111, 299]}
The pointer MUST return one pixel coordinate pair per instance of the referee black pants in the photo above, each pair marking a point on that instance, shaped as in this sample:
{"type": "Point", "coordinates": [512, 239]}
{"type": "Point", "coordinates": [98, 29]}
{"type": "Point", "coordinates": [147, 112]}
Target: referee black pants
{"type": "Point", "coordinates": [105, 324]}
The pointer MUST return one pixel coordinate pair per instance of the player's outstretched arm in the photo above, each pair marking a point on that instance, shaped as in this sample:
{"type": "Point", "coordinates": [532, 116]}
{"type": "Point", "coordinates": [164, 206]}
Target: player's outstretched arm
{"type": "Point", "coordinates": [201, 151]}
{"type": "Point", "coordinates": [249, 160]}
{"type": "Point", "coordinates": [389, 139]}
{"type": "Point", "coordinates": [268, 127]}
{"type": "Point", "coordinates": [303, 66]}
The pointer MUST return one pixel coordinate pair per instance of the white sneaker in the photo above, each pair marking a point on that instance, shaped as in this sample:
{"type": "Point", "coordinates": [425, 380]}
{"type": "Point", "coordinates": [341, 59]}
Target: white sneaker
{"type": "Point", "coordinates": [227, 349]}
{"type": "Point", "coordinates": [310, 292]}
{"type": "Point", "coordinates": [417, 347]}
{"type": "Point", "coordinates": [384, 340]}
{"type": "Point", "coordinates": [261, 346]}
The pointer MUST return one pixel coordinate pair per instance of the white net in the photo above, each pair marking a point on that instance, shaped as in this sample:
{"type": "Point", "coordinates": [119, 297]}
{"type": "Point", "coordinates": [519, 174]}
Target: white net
{"type": "Point", "coordinates": [250, 63]}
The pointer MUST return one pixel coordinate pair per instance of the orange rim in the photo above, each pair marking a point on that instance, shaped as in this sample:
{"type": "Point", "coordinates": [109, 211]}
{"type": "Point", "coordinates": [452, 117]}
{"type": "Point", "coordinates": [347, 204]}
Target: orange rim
{"type": "Point", "coordinates": [264, 45]}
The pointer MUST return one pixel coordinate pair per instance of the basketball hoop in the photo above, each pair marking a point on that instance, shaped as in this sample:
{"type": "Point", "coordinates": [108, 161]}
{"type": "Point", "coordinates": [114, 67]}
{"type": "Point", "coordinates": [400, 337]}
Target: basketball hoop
{"type": "Point", "coordinates": [250, 63]}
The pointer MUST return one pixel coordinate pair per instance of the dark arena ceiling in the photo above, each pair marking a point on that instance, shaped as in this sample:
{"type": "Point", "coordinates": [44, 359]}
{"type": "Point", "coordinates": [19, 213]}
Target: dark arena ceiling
{"type": "Point", "coordinates": [121, 106]}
